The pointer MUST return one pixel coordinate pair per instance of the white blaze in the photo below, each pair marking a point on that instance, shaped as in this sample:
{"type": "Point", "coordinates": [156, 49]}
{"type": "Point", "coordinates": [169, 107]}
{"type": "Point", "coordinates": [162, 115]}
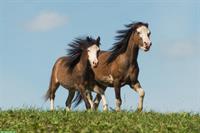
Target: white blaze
{"type": "Point", "coordinates": [144, 31]}
{"type": "Point", "coordinates": [92, 54]}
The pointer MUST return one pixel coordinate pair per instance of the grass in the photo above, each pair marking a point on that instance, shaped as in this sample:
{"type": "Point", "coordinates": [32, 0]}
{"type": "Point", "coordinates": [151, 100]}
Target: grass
{"type": "Point", "coordinates": [35, 120]}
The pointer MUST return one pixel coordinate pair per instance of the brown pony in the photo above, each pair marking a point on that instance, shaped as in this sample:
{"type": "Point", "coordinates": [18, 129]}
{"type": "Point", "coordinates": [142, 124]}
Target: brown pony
{"type": "Point", "coordinates": [119, 66]}
{"type": "Point", "coordinates": [74, 71]}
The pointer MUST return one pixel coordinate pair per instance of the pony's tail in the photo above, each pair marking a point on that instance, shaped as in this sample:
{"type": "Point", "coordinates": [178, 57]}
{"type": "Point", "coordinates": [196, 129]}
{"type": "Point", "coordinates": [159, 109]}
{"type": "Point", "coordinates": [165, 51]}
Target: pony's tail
{"type": "Point", "coordinates": [49, 91]}
{"type": "Point", "coordinates": [47, 95]}
{"type": "Point", "coordinates": [78, 99]}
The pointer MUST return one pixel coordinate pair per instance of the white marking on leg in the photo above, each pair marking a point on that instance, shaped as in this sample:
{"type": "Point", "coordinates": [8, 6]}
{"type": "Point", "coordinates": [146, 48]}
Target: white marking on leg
{"type": "Point", "coordinates": [90, 101]}
{"type": "Point", "coordinates": [52, 104]}
{"type": "Point", "coordinates": [141, 92]}
{"type": "Point", "coordinates": [118, 104]}
{"type": "Point", "coordinates": [105, 105]}
{"type": "Point", "coordinates": [96, 101]}
{"type": "Point", "coordinates": [68, 108]}
{"type": "Point", "coordinates": [141, 98]}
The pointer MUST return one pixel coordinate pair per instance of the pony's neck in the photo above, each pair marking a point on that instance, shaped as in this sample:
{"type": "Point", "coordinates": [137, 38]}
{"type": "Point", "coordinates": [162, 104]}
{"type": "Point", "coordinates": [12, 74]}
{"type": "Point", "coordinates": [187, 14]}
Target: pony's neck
{"type": "Point", "coordinates": [83, 64]}
{"type": "Point", "coordinates": [132, 50]}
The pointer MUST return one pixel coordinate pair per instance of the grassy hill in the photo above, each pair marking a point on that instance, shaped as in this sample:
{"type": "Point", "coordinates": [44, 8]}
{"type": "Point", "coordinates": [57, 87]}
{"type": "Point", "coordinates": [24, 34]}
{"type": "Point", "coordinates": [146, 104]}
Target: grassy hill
{"type": "Point", "coordinates": [34, 120]}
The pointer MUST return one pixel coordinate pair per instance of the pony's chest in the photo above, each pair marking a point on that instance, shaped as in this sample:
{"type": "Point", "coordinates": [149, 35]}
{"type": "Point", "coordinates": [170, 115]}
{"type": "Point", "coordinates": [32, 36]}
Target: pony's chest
{"type": "Point", "coordinates": [126, 76]}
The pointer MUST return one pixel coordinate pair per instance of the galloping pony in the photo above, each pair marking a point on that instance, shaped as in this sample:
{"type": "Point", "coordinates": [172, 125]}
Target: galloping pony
{"type": "Point", "coordinates": [119, 66]}
{"type": "Point", "coordinates": [74, 71]}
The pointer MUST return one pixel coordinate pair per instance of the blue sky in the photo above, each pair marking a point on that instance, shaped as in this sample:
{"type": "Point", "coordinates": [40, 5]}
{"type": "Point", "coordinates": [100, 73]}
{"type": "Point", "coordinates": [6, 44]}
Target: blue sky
{"type": "Point", "coordinates": [35, 33]}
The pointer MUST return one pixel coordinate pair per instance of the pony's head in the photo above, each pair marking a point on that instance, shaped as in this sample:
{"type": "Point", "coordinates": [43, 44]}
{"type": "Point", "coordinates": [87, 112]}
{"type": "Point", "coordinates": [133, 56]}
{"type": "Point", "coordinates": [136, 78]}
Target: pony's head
{"type": "Point", "coordinates": [142, 35]}
{"type": "Point", "coordinates": [93, 50]}
{"type": "Point", "coordinates": [87, 47]}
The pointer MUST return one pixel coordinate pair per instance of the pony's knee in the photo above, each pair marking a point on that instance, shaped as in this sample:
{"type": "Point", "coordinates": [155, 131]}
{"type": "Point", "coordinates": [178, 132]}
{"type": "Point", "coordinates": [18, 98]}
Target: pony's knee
{"type": "Point", "coordinates": [141, 92]}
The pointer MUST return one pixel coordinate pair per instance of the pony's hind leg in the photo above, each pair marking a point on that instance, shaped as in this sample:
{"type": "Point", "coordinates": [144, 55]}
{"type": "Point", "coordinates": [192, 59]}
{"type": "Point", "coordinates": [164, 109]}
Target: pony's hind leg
{"type": "Point", "coordinates": [53, 86]}
{"type": "Point", "coordinates": [68, 102]}
{"type": "Point", "coordinates": [53, 89]}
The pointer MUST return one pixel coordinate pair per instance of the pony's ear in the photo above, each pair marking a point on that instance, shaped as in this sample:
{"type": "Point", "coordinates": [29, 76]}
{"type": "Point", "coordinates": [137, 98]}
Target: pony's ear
{"type": "Point", "coordinates": [147, 25]}
{"type": "Point", "coordinates": [88, 38]}
{"type": "Point", "coordinates": [98, 39]}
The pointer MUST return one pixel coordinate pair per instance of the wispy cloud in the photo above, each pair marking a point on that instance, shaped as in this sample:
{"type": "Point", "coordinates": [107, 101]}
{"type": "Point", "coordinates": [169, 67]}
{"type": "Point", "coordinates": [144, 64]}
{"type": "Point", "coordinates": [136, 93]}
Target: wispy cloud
{"type": "Point", "coordinates": [181, 49]}
{"type": "Point", "coordinates": [45, 21]}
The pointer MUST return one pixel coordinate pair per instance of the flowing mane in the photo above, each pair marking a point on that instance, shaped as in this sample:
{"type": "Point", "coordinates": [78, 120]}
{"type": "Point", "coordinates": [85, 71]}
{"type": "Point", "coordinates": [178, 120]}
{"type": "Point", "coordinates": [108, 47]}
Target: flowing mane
{"type": "Point", "coordinates": [122, 39]}
{"type": "Point", "coordinates": [76, 49]}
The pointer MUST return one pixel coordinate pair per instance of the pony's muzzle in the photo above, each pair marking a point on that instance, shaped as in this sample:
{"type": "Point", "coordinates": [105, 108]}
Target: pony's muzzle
{"type": "Point", "coordinates": [147, 46]}
{"type": "Point", "coordinates": [95, 63]}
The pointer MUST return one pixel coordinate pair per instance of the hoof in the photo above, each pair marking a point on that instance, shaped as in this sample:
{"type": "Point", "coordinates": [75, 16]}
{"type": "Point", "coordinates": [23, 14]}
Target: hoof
{"type": "Point", "coordinates": [117, 109]}
{"type": "Point", "coordinates": [68, 109]}
{"type": "Point", "coordinates": [139, 110]}
{"type": "Point", "coordinates": [105, 107]}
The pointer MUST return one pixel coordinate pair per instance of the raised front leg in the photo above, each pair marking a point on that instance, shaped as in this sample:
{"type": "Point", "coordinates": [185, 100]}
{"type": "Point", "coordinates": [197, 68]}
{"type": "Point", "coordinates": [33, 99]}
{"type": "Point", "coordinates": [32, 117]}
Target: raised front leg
{"type": "Point", "coordinates": [137, 87]}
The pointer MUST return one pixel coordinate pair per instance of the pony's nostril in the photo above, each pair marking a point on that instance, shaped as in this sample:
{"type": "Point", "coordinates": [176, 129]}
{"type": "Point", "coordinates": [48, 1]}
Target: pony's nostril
{"type": "Point", "coordinates": [95, 63]}
{"type": "Point", "coordinates": [147, 44]}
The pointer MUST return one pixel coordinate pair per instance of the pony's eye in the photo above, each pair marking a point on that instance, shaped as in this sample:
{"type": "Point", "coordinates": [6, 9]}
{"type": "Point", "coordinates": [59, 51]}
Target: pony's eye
{"type": "Point", "coordinates": [138, 33]}
{"type": "Point", "coordinates": [149, 34]}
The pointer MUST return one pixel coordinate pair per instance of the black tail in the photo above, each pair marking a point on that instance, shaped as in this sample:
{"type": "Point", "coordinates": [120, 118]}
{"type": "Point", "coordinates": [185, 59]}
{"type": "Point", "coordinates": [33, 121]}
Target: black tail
{"type": "Point", "coordinates": [78, 99]}
{"type": "Point", "coordinates": [47, 95]}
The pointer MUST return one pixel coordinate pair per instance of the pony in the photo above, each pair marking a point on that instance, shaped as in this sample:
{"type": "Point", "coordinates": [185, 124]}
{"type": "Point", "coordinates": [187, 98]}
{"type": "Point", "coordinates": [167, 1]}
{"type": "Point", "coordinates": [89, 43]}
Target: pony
{"type": "Point", "coordinates": [119, 66]}
{"type": "Point", "coordinates": [73, 71]}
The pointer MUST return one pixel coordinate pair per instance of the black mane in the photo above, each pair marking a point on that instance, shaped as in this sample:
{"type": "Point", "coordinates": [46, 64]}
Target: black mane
{"type": "Point", "coordinates": [76, 49]}
{"type": "Point", "coordinates": [122, 38]}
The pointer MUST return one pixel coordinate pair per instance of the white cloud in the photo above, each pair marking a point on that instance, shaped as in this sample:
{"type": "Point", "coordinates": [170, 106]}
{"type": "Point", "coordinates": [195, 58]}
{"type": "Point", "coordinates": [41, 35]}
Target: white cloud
{"type": "Point", "coordinates": [46, 21]}
{"type": "Point", "coordinates": [181, 49]}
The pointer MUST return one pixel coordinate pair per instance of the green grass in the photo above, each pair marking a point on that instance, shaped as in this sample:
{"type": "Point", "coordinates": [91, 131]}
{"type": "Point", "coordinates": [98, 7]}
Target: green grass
{"type": "Point", "coordinates": [34, 120]}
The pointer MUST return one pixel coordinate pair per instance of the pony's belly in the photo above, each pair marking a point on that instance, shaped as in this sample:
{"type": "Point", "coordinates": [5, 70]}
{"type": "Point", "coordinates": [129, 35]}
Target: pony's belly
{"type": "Point", "coordinates": [68, 84]}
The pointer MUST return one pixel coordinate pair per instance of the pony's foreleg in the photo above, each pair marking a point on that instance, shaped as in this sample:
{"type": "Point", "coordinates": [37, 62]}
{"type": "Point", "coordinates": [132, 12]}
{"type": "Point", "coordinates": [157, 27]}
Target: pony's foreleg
{"type": "Point", "coordinates": [118, 95]}
{"type": "Point", "coordinates": [100, 95]}
{"type": "Point", "coordinates": [137, 87]}
{"type": "Point", "coordinates": [90, 98]}
{"type": "Point", "coordinates": [83, 94]}
{"type": "Point", "coordinates": [105, 105]}
{"type": "Point", "coordinates": [97, 101]}
{"type": "Point", "coordinates": [69, 100]}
